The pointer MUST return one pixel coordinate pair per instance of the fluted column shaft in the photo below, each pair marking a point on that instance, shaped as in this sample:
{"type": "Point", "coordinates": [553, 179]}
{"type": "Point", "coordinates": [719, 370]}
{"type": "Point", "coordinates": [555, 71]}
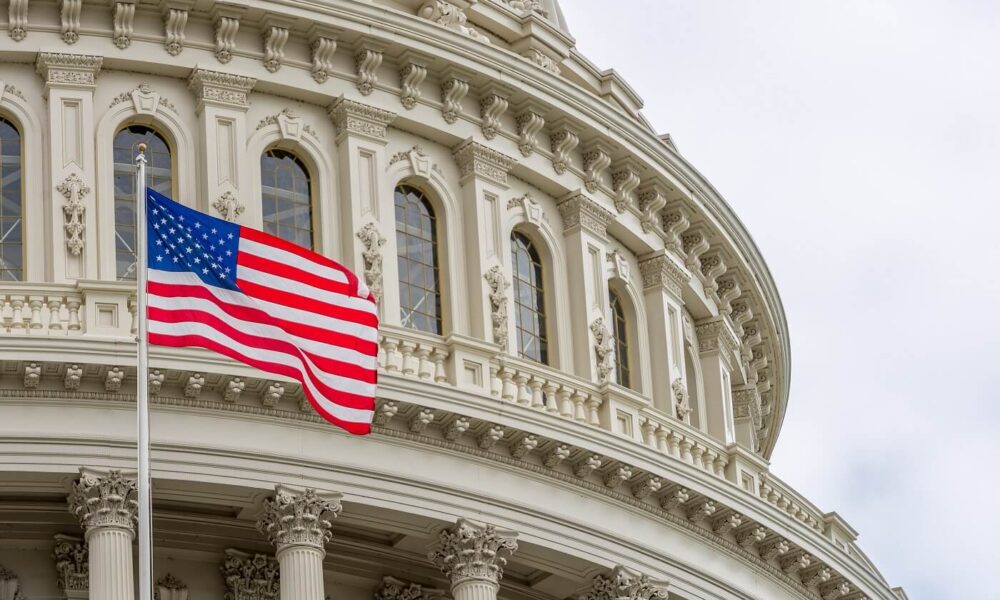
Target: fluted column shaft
{"type": "Point", "coordinates": [111, 576]}
{"type": "Point", "coordinates": [301, 568]}
{"type": "Point", "coordinates": [474, 589]}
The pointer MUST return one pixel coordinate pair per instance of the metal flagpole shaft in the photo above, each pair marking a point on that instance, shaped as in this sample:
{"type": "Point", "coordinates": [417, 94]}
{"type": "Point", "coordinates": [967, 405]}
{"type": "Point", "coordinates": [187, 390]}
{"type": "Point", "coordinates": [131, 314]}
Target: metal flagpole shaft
{"type": "Point", "coordinates": [142, 383]}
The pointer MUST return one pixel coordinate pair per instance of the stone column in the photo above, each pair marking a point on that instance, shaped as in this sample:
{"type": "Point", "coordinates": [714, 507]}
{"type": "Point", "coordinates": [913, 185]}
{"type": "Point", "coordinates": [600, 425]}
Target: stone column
{"type": "Point", "coordinates": [472, 557]}
{"type": "Point", "coordinates": [106, 505]}
{"type": "Point", "coordinates": [298, 524]}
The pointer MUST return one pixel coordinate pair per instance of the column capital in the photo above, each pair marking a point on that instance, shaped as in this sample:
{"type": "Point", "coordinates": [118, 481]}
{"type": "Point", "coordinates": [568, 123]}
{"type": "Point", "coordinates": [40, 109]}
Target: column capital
{"type": "Point", "coordinates": [72, 566]}
{"type": "Point", "coordinates": [476, 160]}
{"type": "Point", "coordinates": [468, 550]}
{"type": "Point", "coordinates": [624, 584]}
{"type": "Point", "coordinates": [104, 499]}
{"type": "Point", "coordinates": [715, 335]}
{"type": "Point", "coordinates": [250, 576]}
{"type": "Point", "coordinates": [299, 518]}
{"type": "Point", "coordinates": [60, 69]}
{"type": "Point", "coordinates": [221, 89]}
{"type": "Point", "coordinates": [580, 211]}
{"type": "Point", "coordinates": [660, 269]}
{"type": "Point", "coordinates": [354, 118]}
{"type": "Point", "coordinates": [394, 589]}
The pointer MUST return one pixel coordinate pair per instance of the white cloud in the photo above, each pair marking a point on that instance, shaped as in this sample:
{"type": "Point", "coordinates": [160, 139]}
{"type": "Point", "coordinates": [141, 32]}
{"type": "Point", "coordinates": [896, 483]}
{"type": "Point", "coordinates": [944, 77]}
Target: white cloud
{"type": "Point", "coordinates": [860, 142]}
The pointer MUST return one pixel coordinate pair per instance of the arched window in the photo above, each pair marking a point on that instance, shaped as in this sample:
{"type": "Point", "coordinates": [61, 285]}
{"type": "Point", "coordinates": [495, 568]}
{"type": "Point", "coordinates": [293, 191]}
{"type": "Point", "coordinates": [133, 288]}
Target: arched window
{"type": "Point", "coordinates": [621, 340]}
{"type": "Point", "coordinates": [11, 208]}
{"type": "Point", "coordinates": [286, 192]}
{"type": "Point", "coordinates": [416, 249]}
{"type": "Point", "coordinates": [529, 299]}
{"type": "Point", "coordinates": [159, 176]}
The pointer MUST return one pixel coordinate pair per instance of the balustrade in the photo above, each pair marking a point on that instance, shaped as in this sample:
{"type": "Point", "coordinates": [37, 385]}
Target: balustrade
{"type": "Point", "coordinates": [40, 310]}
{"type": "Point", "coordinates": [681, 441]}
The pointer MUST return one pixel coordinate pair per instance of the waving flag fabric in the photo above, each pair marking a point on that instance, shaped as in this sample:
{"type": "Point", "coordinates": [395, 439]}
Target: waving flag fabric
{"type": "Point", "coordinates": [265, 302]}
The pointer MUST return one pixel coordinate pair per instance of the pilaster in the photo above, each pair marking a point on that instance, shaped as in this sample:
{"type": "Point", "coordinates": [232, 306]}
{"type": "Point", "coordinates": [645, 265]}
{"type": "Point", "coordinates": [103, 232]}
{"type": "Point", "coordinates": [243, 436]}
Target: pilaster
{"type": "Point", "coordinates": [663, 281]}
{"type": "Point", "coordinates": [473, 556]}
{"type": "Point", "coordinates": [717, 348]}
{"type": "Point", "coordinates": [70, 80]}
{"type": "Point", "coordinates": [72, 564]}
{"type": "Point", "coordinates": [223, 100]}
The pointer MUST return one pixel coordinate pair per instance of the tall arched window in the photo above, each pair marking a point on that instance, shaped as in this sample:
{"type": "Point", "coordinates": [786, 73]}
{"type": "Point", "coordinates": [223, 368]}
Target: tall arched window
{"type": "Point", "coordinates": [159, 176]}
{"type": "Point", "coordinates": [286, 192]}
{"type": "Point", "coordinates": [11, 208]}
{"type": "Point", "coordinates": [529, 299]}
{"type": "Point", "coordinates": [621, 340]}
{"type": "Point", "coordinates": [416, 249]}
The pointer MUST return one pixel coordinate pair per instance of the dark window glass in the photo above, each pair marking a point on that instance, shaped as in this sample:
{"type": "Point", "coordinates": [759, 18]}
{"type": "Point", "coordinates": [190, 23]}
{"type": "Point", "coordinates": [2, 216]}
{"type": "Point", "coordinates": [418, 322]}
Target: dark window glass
{"type": "Point", "coordinates": [11, 223]}
{"type": "Point", "coordinates": [159, 176]}
{"type": "Point", "coordinates": [529, 299]}
{"type": "Point", "coordinates": [417, 249]}
{"type": "Point", "coordinates": [287, 197]}
{"type": "Point", "coordinates": [621, 341]}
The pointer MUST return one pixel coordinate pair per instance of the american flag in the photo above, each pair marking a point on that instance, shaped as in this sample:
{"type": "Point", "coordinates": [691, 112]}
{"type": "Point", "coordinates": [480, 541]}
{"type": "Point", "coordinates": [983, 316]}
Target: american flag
{"type": "Point", "coordinates": [266, 302]}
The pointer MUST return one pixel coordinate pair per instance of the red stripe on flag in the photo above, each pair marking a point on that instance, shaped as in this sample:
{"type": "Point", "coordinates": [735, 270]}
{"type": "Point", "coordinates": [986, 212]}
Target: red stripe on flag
{"type": "Point", "coordinates": [269, 294]}
{"type": "Point", "coordinates": [271, 240]}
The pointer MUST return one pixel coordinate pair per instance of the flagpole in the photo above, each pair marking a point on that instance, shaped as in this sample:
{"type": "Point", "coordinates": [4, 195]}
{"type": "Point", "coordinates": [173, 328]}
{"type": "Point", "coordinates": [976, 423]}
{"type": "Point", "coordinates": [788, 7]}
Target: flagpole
{"type": "Point", "coordinates": [141, 385]}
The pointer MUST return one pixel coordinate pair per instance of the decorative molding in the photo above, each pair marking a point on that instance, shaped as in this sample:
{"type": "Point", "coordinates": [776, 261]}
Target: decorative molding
{"type": "Point", "coordinates": [619, 265]}
{"type": "Point", "coordinates": [712, 267]}
{"type": "Point", "coordinates": [674, 221]}
{"type": "Point", "coordinates": [69, 20]}
{"type": "Point", "coordinates": [272, 394]}
{"type": "Point", "coordinates": [275, 34]}
{"type": "Point", "coordinates": [623, 584]}
{"type": "Point", "coordinates": [727, 291]}
{"type": "Point", "coordinates": [411, 74]}
{"type": "Point", "coordinates": [603, 349]}
{"type": "Point", "coordinates": [350, 117]}
{"type": "Point", "coordinates": [123, 22]}
{"type": "Point", "coordinates": [475, 159]}
{"type": "Point", "coordinates": [498, 285]}
{"type": "Point", "coordinates": [563, 141]}
{"type": "Point", "coordinates": [73, 189]}
{"type": "Point", "coordinates": [469, 550]}
{"type": "Point", "coordinates": [8, 88]}
{"type": "Point", "coordinates": [169, 587]}
{"type": "Point", "coordinates": [68, 70]}
{"type": "Point", "coordinates": [418, 159]}
{"type": "Point", "coordinates": [453, 90]}
{"type": "Point", "coordinates": [624, 180]}
{"type": "Point", "coordinates": [492, 105]}
{"type": "Point", "coordinates": [663, 271]}
{"type": "Point", "coordinates": [529, 123]}
{"type": "Point", "coordinates": [144, 100]}
{"type": "Point", "coordinates": [366, 63]}
{"type": "Point", "coordinates": [228, 206]}
{"type": "Point", "coordinates": [652, 199]}
{"type": "Point", "coordinates": [32, 375]}
{"type": "Point", "coordinates": [234, 387]}
{"type": "Point", "coordinates": [695, 244]}
{"type": "Point", "coordinates": [17, 20]}
{"type": "Point", "coordinates": [294, 518]}
{"type": "Point", "coordinates": [539, 58]}
{"type": "Point", "coordinates": [451, 17]}
{"type": "Point", "coordinates": [578, 210]}
{"type": "Point", "coordinates": [290, 125]}
{"type": "Point", "coordinates": [596, 159]}
{"type": "Point", "coordinates": [250, 577]}
{"type": "Point", "coordinates": [527, 6]}
{"type": "Point", "coordinates": [715, 335]}
{"type": "Point", "coordinates": [113, 380]}
{"type": "Point", "coordinates": [372, 240]}
{"type": "Point", "coordinates": [323, 45]}
{"type": "Point", "coordinates": [227, 25]}
{"type": "Point", "coordinates": [72, 563]}
{"type": "Point", "coordinates": [175, 20]}
{"type": "Point", "coordinates": [532, 211]}
{"type": "Point", "coordinates": [73, 377]}
{"type": "Point", "coordinates": [221, 89]}
{"type": "Point", "coordinates": [100, 499]}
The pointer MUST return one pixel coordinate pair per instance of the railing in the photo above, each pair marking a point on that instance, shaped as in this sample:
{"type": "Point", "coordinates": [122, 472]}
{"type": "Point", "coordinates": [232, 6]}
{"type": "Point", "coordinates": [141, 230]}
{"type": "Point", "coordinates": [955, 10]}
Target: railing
{"type": "Point", "coordinates": [777, 493]}
{"type": "Point", "coordinates": [411, 354]}
{"type": "Point", "coordinates": [541, 388]}
{"type": "Point", "coordinates": [41, 310]}
{"type": "Point", "coordinates": [674, 438]}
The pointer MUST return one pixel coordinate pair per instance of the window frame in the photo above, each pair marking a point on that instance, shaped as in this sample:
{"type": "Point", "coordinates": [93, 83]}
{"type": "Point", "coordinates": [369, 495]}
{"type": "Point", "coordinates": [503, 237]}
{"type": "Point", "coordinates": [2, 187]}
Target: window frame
{"type": "Point", "coordinates": [540, 311]}
{"type": "Point", "coordinates": [424, 199]}
{"type": "Point", "coordinates": [621, 334]}
{"type": "Point", "coordinates": [311, 184]}
{"type": "Point", "coordinates": [23, 271]}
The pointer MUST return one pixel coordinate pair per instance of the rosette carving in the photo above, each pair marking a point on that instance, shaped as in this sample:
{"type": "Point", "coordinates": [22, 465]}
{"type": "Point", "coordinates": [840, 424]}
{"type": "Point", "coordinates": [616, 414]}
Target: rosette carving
{"type": "Point", "coordinates": [472, 551]}
{"type": "Point", "coordinates": [104, 500]}
{"type": "Point", "coordinates": [293, 518]}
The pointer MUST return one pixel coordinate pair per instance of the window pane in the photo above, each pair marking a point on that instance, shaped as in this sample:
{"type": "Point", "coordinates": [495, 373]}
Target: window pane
{"type": "Point", "coordinates": [416, 250]}
{"type": "Point", "coordinates": [529, 299]}
{"type": "Point", "coordinates": [287, 197]}
{"type": "Point", "coordinates": [159, 177]}
{"type": "Point", "coordinates": [11, 222]}
{"type": "Point", "coordinates": [620, 331]}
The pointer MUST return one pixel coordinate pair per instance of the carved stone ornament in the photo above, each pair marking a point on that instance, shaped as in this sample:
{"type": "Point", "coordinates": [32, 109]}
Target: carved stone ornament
{"type": "Point", "coordinates": [229, 206]}
{"type": "Point", "coordinates": [525, 6]}
{"type": "Point", "coordinates": [492, 106]}
{"type": "Point", "coordinates": [411, 75]}
{"type": "Point", "coordinates": [226, 28]}
{"type": "Point", "coordinates": [418, 159]}
{"type": "Point", "coordinates": [123, 19]}
{"type": "Point", "coordinates": [69, 70]}
{"type": "Point", "coordinates": [529, 123]}
{"type": "Point", "coordinates": [72, 563]}
{"type": "Point", "coordinates": [249, 577]}
{"type": "Point", "coordinates": [532, 210]}
{"type": "Point", "coordinates": [619, 265]}
{"type": "Point", "coordinates": [474, 159]}
{"type": "Point", "coordinates": [169, 587]}
{"type": "Point", "coordinates": [290, 125]}
{"type": "Point", "coordinates": [681, 405]}
{"type": "Point", "coordinates": [498, 285]}
{"type": "Point", "coordinates": [448, 15]}
{"type": "Point", "coordinates": [372, 240]}
{"type": "Point", "coordinates": [674, 222]}
{"type": "Point", "coordinates": [471, 551]}
{"type": "Point", "coordinates": [275, 38]}
{"type": "Point", "coordinates": [624, 180]}
{"type": "Point", "coordinates": [562, 141]}
{"type": "Point", "coordinates": [652, 199]}
{"type": "Point", "coordinates": [323, 45]}
{"type": "Point", "coordinates": [104, 500]}
{"type": "Point", "coordinates": [542, 60]}
{"type": "Point", "coordinates": [394, 589]}
{"type": "Point", "coordinates": [596, 158]}
{"type": "Point", "coordinates": [622, 584]}
{"type": "Point", "coordinates": [662, 271]}
{"type": "Point", "coordinates": [299, 518]}
{"type": "Point", "coordinates": [73, 190]}
{"type": "Point", "coordinates": [453, 90]}
{"type": "Point", "coordinates": [580, 211]}
{"type": "Point", "coordinates": [69, 20]}
{"type": "Point", "coordinates": [17, 20]}
{"type": "Point", "coordinates": [10, 587]}
{"type": "Point", "coordinates": [174, 22]}
{"type": "Point", "coordinates": [603, 348]}
{"type": "Point", "coordinates": [226, 89]}
{"type": "Point", "coordinates": [366, 64]}
{"type": "Point", "coordinates": [354, 118]}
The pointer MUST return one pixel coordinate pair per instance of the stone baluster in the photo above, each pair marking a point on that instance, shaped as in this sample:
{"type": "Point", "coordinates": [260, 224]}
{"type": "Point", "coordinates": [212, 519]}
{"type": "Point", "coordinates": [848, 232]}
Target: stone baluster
{"type": "Point", "coordinates": [393, 363]}
{"type": "Point", "coordinates": [299, 524]}
{"type": "Point", "coordinates": [55, 314]}
{"type": "Point", "coordinates": [472, 556]}
{"type": "Point", "coordinates": [537, 399]}
{"type": "Point", "coordinates": [105, 504]}
{"type": "Point", "coordinates": [523, 392]}
{"type": "Point", "coordinates": [438, 357]}
{"type": "Point", "coordinates": [409, 360]}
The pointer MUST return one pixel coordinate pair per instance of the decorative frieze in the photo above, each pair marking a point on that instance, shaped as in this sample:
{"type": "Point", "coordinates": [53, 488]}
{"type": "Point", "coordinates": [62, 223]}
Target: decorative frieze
{"type": "Point", "coordinates": [293, 518]}
{"type": "Point", "coordinates": [492, 105]}
{"type": "Point", "coordinates": [354, 118]}
{"type": "Point", "coordinates": [454, 88]}
{"type": "Point", "coordinates": [175, 18]}
{"type": "Point", "coordinates": [578, 210]}
{"type": "Point", "coordinates": [229, 206]}
{"type": "Point", "coordinates": [469, 550]}
{"type": "Point", "coordinates": [530, 121]}
{"type": "Point", "coordinates": [596, 158]}
{"type": "Point", "coordinates": [604, 349]}
{"type": "Point", "coordinates": [72, 564]}
{"type": "Point", "coordinates": [372, 240]}
{"type": "Point", "coordinates": [661, 271]}
{"type": "Point", "coordinates": [123, 20]}
{"type": "Point", "coordinates": [367, 60]}
{"type": "Point", "coordinates": [562, 141]}
{"type": "Point", "coordinates": [69, 20]}
{"type": "Point", "coordinates": [323, 45]}
{"type": "Point", "coordinates": [622, 584]}
{"type": "Point", "coordinates": [250, 577]}
{"type": "Point", "coordinates": [73, 189]}
{"type": "Point", "coordinates": [68, 70]}
{"type": "Point", "coordinates": [104, 500]}
{"type": "Point", "coordinates": [498, 285]}
{"type": "Point", "coordinates": [475, 159]}
{"type": "Point", "coordinates": [17, 20]}
{"type": "Point", "coordinates": [221, 89]}
{"type": "Point", "coordinates": [450, 16]}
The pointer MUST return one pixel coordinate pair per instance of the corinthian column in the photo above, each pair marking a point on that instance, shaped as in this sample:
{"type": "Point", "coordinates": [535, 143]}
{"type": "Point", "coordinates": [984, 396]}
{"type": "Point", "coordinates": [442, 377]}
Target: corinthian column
{"type": "Point", "coordinates": [298, 524]}
{"type": "Point", "coordinates": [471, 555]}
{"type": "Point", "coordinates": [106, 505]}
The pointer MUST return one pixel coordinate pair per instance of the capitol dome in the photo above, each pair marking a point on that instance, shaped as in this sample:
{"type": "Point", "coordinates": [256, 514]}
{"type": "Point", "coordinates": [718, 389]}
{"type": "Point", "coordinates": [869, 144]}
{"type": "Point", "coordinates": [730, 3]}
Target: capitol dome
{"type": "Point", "coordinates": [584, 361]}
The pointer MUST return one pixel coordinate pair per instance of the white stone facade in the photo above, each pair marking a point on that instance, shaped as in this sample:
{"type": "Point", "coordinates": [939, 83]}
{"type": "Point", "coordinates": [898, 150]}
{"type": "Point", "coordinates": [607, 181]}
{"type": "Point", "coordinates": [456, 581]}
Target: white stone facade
{"type": "Point", "coordinates": [487, 472]}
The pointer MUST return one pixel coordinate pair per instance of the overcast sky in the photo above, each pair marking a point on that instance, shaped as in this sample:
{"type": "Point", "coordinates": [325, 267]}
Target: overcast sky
{"type": "Point", "coordinates": [859, 141]}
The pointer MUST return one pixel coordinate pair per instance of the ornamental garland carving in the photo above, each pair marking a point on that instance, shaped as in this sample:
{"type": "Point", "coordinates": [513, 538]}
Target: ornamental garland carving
{"type": "Point", "coordinates": [498, 286]}
{"type": "Point", "coordinates": [72, 563]}
{"type": "Point", "coordinates": [250, 577]}
{"type": "Point", "coordinates": [229, 206]}
{"type": "Point", "coordinates": [305, 518]}
{"type": "Point", "coordinates": [372, 240]}
{"type": "Point", "coordinates": [603, 349]}
{"type": "Point", "coordinates": [73, 189]}
{"type": "Point", "coordinates": [107, 500]}
{"type": "Point", "coordinates": [419, 161]}
{"type": "Point", "coordinates": [470, 551]}
{"type": "Point", "coordinates": [622, 584]}
{"type": "Point", "coordinates": [57, 68]}
{"type": "Point", "coordinates": [221, 88]}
